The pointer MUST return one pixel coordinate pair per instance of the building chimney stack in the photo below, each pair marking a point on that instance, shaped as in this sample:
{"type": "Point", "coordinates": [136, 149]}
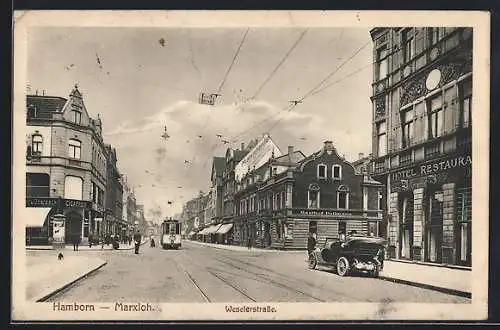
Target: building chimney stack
{"type": "Point", "coordinates": [242, 146]}
{"type": "Point", "coordinates": [361, 155]}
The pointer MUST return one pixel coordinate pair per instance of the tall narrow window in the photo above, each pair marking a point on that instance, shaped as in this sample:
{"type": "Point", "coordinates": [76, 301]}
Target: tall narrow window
{"type": "Point", "coordinates": [337, 172]}
{"type": "Point", "coordinates": [74, 149]}
{"type": "Point", "coordinates": [36, 144]}
{"type": "Point", "coordinates": [436, 117]}
{"type": "Point", "coordinates": [313, 196]}
{"type": "Point", "coordinates": [379, 200]}
{"type": "Point", "coordinates": [343, 197]}
{"type": "Point", "coordinates": [382, 138]}
{"type": "Point", "coordinates": [466, 105]}
{"type": "Point", "coordinates": [408, 39]}
{"type": "Point", "coordinates": [382, 63]}
{"type": "Point", "coordinates": [435, 34]}
{"type": "Point", "coordinates": [321, 171]}
{"type": "Point", "coordinates": [408, 127]}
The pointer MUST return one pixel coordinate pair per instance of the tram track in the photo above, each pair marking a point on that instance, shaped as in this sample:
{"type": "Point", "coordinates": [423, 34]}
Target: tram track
{"type": "Point", "coordinates": [280, 275]}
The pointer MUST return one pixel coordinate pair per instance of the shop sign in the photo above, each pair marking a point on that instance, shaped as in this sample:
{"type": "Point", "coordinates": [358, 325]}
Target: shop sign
{"type": "Point", "coordinates": [334, 213]}
{"type": "Point", "coordinates": [41, 202]}
{"type": "Point", "coordinates": [77, 203]}
{"type": "Point", "coordinates": [58, 229]}
{"type": "Point", "coordinates": [436, 171]}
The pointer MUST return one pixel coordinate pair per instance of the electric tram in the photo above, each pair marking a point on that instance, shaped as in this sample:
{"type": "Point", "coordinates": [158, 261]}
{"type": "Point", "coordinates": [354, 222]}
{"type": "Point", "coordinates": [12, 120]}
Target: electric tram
{"type": "Point", "coordinates": [171, 234]}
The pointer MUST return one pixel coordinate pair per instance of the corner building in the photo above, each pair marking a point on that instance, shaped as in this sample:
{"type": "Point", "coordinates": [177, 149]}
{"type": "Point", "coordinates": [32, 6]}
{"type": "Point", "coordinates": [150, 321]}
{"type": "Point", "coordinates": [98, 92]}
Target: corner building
{"type": "Point", "coordinates": [422, 140]}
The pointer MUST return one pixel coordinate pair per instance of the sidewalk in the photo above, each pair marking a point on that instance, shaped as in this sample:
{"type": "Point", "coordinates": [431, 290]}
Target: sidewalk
{"type": "Point", "coordinates": [242, 248]}
{"type": "Point", "coordinates": [448, 280]}
{"type": "Point", "coordinates": [47, 275]}
{"type": "Point", "coordinates": [86, 247]}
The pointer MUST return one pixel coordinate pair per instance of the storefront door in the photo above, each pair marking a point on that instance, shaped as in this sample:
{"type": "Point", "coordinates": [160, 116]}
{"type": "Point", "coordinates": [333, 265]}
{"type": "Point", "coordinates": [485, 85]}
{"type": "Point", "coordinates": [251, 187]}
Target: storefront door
{"type": "Point", "coordinates": [406, 225]}
{"type": "Point", "coordinates": [434, 227]}
{"type": "Point", "coordinates": [73, 225]}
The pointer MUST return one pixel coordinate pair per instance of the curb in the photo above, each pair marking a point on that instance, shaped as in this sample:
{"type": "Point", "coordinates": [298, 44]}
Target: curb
{"type": "Point", "coordinates": [414, 262]}
{"type": "Point", "coordinates": [86, 250]}
{"type": "Point", "coordinates": [53, 293]}
{"type": "Point", "coordinates": [215, 246]}
{"type": "Point", "coordinates": [454, 292]}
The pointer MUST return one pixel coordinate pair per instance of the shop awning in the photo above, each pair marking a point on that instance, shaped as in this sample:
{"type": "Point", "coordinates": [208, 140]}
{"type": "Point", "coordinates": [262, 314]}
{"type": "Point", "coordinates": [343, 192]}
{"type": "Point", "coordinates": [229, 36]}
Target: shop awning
{"type": "Point", "coordinates": [202, 232]}
{"type": "Point", "coordinates": [211, 229]}
{"type": "Point", "coordinates": [225, 228]}
{"type": "Point", "coordinates": [35, 216]}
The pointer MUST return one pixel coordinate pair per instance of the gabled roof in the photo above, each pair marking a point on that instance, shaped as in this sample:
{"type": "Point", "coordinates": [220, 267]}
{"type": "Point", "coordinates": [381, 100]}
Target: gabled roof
{"type": "Point", "coordinates": [45, 105]}
{"type": "Point", "coordinates": [296, 157]}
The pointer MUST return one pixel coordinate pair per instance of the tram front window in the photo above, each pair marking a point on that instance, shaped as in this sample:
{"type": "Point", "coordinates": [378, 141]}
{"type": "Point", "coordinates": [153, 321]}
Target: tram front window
{"type": "Point", "coordinates": [171, 229]}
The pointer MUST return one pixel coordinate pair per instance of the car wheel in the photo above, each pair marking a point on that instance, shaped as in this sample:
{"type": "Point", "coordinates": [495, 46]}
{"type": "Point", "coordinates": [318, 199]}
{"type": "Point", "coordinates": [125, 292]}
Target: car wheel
{"type": "Point", "coordinates": [312, 261]}
{"type": "Point", "coordinates": [342, 266]}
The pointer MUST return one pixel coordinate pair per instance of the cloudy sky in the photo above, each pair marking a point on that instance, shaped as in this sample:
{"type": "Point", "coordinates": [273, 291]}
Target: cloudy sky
{"type": "Point", "coordinates": [151, 78]}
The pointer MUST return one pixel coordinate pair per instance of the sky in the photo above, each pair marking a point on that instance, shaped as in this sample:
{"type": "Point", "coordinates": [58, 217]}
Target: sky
{"type": "Point", "coordinates": [151, 78]}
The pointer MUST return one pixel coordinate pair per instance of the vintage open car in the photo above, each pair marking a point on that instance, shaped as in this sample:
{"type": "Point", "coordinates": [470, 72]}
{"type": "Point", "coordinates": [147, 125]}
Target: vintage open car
{"type": "Point", "coordinates": [354, 253]}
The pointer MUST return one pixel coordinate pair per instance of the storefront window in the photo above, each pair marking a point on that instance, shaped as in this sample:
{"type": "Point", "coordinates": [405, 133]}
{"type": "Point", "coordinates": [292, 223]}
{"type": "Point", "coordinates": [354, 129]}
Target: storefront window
{"type": "Point", "coordinates": [464, 220]}
{"type": "Point", "coordinates": [406, 229]}
{"type": "Point", "coordinates": [342, 229]}
{"type": "Point", "coordinates": [313, 228]}
{"type": "Point", "coordinates": [434, 224]}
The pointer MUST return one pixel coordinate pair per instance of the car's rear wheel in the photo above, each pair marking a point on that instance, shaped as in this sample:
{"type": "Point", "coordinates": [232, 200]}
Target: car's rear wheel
{"type": "Point", "coordinates": [376, 271]}
{"type": "Point", "coordinates": [343, 266]}
{"type": "Point", "coordinates": [312, 261]}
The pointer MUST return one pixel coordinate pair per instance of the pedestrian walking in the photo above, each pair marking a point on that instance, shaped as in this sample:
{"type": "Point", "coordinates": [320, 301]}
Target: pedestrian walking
{"type": "Point", "coordinates": [249, 242]}
{"type": "Point", "coordinates": [311, 244]}
{"type": "Point", "coordinates": [91, 237]}
{"type": "Point", "coordinates": [137, 239]}
{"type": "Point", "coordinates": [76, 241]}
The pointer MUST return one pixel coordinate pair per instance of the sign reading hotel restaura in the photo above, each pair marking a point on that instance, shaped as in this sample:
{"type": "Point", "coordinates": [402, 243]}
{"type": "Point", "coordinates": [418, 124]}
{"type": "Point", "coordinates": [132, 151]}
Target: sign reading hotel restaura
{"type": "Point", "coordinates": [333, 213]}
{"type": "Point", "coordinates": [436, 171]}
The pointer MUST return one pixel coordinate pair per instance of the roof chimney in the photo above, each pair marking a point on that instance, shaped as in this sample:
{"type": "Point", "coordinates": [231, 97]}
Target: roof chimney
{"type": "Point", "coordinates": [361, 155]}
{"type": "Point", "coordinates": [328, 145]}
{"type": "Point", "coordinates": [290, 153]}
{"type": "Point", "coordinates": [242, 146]}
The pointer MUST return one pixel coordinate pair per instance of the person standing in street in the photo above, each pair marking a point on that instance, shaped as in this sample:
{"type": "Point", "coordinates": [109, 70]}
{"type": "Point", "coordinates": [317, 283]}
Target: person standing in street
{"type": "Point", "coordinates": [311, 244]}
{"type": "Point", "coordinates": [137, 241]}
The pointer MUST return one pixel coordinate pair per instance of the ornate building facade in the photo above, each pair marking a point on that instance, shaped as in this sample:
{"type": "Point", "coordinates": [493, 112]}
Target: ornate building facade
{"type": "Point", "coordinates": [422, 104]}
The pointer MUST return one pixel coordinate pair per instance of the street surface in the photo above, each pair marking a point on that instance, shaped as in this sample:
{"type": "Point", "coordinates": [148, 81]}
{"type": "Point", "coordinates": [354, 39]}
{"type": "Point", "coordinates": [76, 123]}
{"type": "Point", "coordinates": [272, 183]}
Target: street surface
{"type": "Point", "coordinates": [196, 273]}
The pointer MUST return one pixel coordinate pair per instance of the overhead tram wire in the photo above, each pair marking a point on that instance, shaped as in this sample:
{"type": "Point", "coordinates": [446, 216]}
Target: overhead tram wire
{"type": "Point", "coordinates": [280, 63]}
{"type": "Point", "coordinates": [283, 60]}
{"type": "Point", "coordinates": [224, 80]}
{"type": "Point", "coordinates": [308, 94]}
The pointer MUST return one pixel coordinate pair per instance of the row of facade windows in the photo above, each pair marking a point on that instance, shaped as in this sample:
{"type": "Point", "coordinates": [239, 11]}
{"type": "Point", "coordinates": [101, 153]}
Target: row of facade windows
{"type": "Point", "coordinates": [439, 114]}
{"type": "Point", "coordinates": [412, 45]}
{"type": "Point", "coordinates": [322, 172]}
{"type": "Point", "coordinates": [74, 150]}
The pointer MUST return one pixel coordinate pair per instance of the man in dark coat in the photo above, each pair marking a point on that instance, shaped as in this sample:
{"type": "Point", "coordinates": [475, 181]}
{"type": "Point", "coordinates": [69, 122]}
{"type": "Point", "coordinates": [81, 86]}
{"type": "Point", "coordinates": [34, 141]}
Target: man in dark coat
{"type": "Point", "coordinates": [311, 244]}
{"type": "Point", "coordinates": [137, 240]}
{"type": "Point", "coordinates": [75, 240]}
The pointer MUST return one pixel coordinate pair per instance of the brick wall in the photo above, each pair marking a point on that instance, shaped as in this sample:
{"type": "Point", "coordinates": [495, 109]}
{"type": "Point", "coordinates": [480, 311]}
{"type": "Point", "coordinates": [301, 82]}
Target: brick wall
{"type": "Point", "coordinates": [328, 187]}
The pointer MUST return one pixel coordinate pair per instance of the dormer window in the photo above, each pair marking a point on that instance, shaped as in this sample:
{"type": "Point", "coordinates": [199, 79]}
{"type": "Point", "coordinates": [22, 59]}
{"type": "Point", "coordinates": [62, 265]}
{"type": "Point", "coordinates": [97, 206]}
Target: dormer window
{"type": "Point", "coordinates": [337, 172]}
{"type": "Point", "coordinates": [321, 171]}
{"type": "Point", "coordinates": [76, 116]}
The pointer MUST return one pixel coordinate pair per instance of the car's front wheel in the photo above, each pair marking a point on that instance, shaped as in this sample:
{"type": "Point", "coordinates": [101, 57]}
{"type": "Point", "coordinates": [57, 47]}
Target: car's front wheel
{"type": "Point", "coordinates": [376, 271]}
{"type": "Point", "coordinates": [312, 261]}
{"type": "Point", "coordinates": [342, 266]}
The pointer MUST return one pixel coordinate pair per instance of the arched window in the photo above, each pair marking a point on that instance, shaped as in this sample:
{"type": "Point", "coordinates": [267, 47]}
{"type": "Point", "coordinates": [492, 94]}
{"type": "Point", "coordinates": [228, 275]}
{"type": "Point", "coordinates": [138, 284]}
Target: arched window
{"type": "Point", "coordinates": [337, 172]}
{"type": "Point", "coordinates": [321, 171]}
{"type": "Point", "coordinates": [73, 187]}
{"type": "Point", "coordinates": [36, 144]}
{"type": "Point", "coordinates": [74, 149]}
{"type": "Point", "coordinates": [313, 196]}
{"type": "Point", "coordinates": [343, 197]}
